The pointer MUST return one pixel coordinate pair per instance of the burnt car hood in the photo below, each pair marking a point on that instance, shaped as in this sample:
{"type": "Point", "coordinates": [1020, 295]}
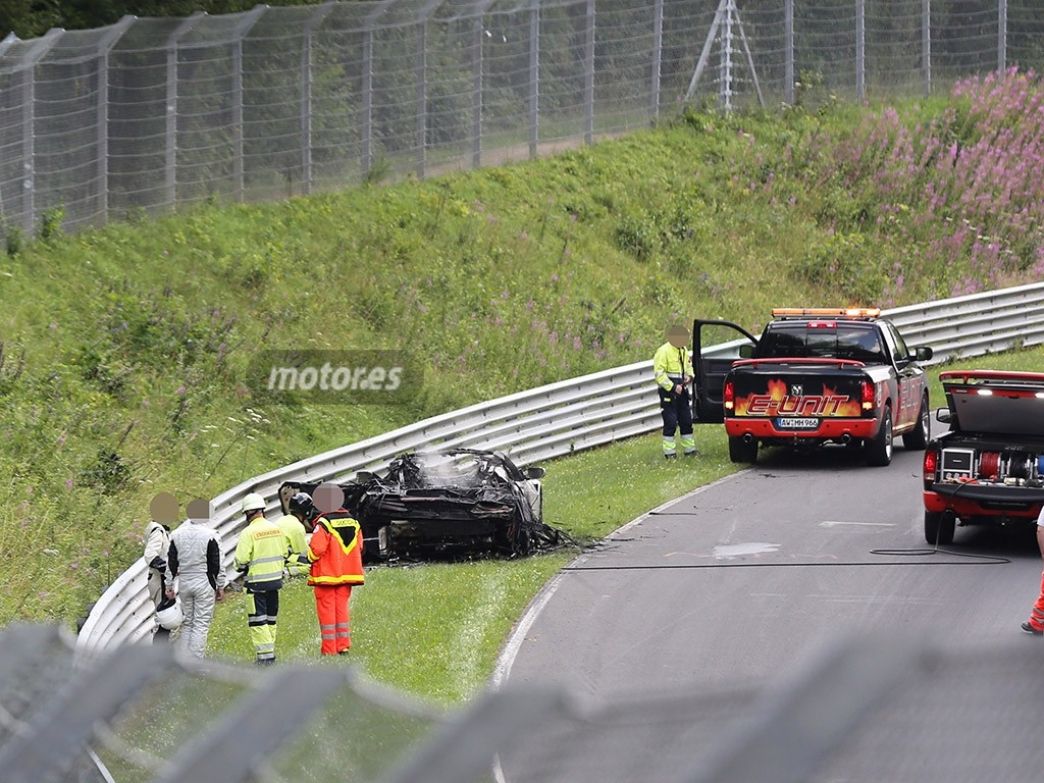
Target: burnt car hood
{"type": "Point", "coordinates": [991, 402]}
{"type": "Point", "coordinates": [459, 499]}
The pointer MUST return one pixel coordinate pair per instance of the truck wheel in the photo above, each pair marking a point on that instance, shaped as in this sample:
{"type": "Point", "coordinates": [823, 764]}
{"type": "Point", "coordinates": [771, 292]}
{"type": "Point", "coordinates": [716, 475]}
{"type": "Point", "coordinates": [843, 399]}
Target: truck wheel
{"type": "Point", "coordinates": [919, 436]}
{"type": "Point", "coordinates": [939, 527]}
{"type": "Point", "coordinates": [879, 448]}
{"type": "Point", "coordinates": [743, 452]}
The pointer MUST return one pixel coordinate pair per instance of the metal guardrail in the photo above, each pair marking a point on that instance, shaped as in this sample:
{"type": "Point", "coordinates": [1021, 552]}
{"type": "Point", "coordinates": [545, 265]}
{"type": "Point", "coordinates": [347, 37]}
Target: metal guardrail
{"type": "Point", "coordinates": [558, 419]}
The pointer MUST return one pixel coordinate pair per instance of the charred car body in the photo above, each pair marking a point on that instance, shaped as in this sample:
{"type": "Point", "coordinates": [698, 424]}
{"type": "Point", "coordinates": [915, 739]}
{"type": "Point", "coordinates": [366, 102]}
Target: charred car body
{"type": "Point", "coordinates": [446, 502]}
{"type": "Point", "coordinates": [814, 376]}
{"type": "Point", "coordinates": [989, 467]}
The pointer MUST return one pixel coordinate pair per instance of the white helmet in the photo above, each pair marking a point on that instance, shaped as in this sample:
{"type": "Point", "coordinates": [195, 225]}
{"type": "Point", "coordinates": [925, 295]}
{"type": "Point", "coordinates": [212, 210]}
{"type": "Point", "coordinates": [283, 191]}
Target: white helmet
{"type": "Point", "coordinates": [253, 502]}
{"type": "Point", "coordinates": [170, 617]}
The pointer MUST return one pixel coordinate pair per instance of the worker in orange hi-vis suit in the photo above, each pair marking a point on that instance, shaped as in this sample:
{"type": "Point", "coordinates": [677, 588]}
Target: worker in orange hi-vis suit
{"type": "Point", "coordinates": [335, 554]}
{"type": "Point", "coordinates": [1035, 624]}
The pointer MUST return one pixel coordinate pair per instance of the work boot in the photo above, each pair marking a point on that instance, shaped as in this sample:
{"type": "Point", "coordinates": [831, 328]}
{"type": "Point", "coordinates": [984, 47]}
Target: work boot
{"type": "Point", "coordinates": [670, 456]}
{"type": "Point", "coordinates": [692, 453]}
{"type": "Point", "coordinates": [1027, 628]}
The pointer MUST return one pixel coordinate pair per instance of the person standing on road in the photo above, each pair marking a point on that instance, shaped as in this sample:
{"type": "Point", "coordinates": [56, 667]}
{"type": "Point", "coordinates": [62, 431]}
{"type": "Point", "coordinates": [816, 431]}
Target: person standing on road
{"type": "Point", "coordinates": [1035, 624]}
{"type": "Point", "coordinates": [335, 554]}
{"type": "Point", "coordinates": [195, 559]}
{"type": "Point", "coordinates": [261, 553]}
{"type": "Point", "coordinates": [164, 511]}
{"type": "Point", "coordinates": [672, 367]}
{"type": "Point", "coordinates": [295, 526]}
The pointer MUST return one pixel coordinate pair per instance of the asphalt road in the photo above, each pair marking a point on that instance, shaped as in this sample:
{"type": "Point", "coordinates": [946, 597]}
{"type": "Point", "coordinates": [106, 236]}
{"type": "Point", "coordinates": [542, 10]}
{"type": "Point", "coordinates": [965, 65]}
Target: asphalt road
{"type": "Point", "coordinates": [738, 581]}
{"type": "Point", "coordinates": [668, 637]}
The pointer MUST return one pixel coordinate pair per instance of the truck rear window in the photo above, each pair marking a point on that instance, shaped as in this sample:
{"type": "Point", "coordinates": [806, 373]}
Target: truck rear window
{"type": "Point", "coordinates": [844, 341]}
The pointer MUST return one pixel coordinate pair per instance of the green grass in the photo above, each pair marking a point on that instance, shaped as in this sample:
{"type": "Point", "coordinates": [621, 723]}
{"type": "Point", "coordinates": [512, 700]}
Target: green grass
{"type": "Point", "coordinates": [436, 630]}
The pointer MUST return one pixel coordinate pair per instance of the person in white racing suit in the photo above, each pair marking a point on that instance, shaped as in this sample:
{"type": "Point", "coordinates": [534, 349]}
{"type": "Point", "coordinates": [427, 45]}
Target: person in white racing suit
{"type": "Point", "coordinates": [195, 559]}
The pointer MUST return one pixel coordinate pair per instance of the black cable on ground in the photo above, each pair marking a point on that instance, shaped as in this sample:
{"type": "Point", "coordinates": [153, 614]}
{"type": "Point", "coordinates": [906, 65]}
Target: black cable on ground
{"type": "Point", "coordinates": [970, 560]}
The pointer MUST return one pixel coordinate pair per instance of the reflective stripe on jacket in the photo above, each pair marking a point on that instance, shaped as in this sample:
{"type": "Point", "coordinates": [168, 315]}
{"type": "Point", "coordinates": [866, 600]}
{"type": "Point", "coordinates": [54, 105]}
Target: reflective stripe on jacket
{"type": "Point", "coordinates": [335, 550]}
{"type": "Point", "coordinates": [295, 537]}
{"type": "Point", "coordinates": [262, 551]}
{"type": "Point", "coordinates": [670, 361]}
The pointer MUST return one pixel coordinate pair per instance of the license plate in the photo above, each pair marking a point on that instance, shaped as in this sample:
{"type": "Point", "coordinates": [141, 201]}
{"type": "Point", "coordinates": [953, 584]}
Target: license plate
{"type": "Point", "coordinates": [796, 424]}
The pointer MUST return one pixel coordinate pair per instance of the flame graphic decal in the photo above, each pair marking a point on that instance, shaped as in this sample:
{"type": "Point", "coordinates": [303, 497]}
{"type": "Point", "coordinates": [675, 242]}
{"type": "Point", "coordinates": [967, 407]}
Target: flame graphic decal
{"type": "Point", "coordinates": [777, 402]}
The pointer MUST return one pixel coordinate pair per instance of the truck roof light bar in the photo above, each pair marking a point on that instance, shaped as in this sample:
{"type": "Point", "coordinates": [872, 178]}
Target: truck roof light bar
{"type": "Point", "coordinates": [832, 312]}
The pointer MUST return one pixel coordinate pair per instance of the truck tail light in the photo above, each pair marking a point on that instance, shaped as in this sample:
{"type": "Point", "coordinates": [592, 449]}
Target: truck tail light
{"type": "Point", "coordinates": [729, 395]}
{"type": "Point", "coordinates": [931, 465]}
{"type": "Point", "coordinates": [867, 393]}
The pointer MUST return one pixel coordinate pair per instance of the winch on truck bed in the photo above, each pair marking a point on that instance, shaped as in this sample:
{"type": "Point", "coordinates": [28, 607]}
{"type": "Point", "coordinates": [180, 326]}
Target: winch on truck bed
{"type": "Point", "coordinates": [814, 376]}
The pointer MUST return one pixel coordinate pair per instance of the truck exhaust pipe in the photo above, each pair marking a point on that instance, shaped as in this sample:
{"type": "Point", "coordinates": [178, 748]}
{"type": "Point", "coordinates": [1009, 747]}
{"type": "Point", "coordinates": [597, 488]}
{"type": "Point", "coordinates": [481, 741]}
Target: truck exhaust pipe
{"type": "Point", "coordinates": [748, 438]}
{"type": "Point", "coordinates": [846, 438]}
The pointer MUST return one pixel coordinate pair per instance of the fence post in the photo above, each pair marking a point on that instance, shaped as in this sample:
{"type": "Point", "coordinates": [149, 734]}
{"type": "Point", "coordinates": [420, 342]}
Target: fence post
{"type": "Point", "coordinates": [240, 33]}
{"type": "Point", "coordinates": [306, 94]}
{"type": "Point", "coordinates": [476, 87]}
{"type": "Point", "coordinates": [534, 77]}
{"type": "Point", "coordinates": [657, 57]}
{"type": "Point", "coordinates": [367, 101]}
{"type": "Point", "coordinates": [725, 67]}
{"type": "Point", "coordinates": [788, 45]}
{"type": "Point", "coordinates": [422, 98]}
{"type": "Point", "coordinates": [861, 49]}
{"type": "Point", "coordinates": [104, 48]}
{"type": "Point", "coordinates": [926, 45]}
{"type": "Point", "coordinates": [29, 61]}
{"type": "Point", "coordinates": [1002, 35]}
{"type": "Point", "coordinates": [171, 163]}
{"type": "Point", "coordinates": [589, 74]}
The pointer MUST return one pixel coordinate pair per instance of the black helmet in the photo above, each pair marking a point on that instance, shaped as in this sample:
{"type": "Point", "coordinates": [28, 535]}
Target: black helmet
{"type": "Point", "coordinates": [301, 503]}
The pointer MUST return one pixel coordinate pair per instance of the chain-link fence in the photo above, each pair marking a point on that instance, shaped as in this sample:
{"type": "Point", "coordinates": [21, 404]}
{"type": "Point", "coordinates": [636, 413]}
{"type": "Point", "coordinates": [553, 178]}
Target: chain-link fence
{"type": "Point", "coordinates": [148, 114]}
{"type": "Point", "coordinates": [880, 707]}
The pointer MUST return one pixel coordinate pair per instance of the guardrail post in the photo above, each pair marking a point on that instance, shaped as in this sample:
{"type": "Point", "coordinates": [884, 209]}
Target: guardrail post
{"type": "Point", "coordinates": [860, 49]}
{"type": "Point", "coordinates": [534, 77]}
{"type": "Point", "coordinates": [788, 57]}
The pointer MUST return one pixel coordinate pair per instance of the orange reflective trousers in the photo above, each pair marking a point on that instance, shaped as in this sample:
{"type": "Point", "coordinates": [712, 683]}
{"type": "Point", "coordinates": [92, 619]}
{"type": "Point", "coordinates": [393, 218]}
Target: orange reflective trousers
{"type": "Point", "coordinates": [1036, 619]}
{"type": "Point", "coordinates": [331, 604]}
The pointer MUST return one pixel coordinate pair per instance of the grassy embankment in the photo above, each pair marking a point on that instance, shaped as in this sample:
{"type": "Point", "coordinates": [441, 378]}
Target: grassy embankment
{"type": "Point", "coordinates": [126, 349]}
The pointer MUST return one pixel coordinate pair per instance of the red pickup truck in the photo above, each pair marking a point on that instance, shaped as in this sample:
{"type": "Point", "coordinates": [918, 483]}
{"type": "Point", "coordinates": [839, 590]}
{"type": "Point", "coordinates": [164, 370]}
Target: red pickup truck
{"type": "Point", "coordinates": [814, 376]}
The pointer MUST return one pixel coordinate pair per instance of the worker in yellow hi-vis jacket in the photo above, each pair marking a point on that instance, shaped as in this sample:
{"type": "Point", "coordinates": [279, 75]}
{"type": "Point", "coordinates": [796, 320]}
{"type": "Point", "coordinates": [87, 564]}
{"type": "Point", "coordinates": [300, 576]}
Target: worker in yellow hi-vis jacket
{"type": "Point", "coordinates": [672, 367]}
{"type": "Point", "coordinates": [261, 553]}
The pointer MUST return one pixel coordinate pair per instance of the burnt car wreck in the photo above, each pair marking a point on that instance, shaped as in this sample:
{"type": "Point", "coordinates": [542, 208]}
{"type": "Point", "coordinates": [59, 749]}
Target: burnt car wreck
{"type": "Point", "coordinates": [457, 502]}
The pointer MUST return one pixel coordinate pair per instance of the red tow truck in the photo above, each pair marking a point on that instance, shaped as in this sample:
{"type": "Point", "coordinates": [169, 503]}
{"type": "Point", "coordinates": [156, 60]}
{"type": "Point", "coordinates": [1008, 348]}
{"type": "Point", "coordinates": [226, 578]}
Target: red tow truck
{"type": "Point", "coordinates": [814, 376]}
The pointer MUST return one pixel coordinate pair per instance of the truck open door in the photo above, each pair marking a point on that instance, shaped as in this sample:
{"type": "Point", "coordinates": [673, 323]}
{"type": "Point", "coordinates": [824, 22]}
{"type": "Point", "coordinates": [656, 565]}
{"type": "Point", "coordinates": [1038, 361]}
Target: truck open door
{"type": "Point", "coordinates": [715, 346]}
